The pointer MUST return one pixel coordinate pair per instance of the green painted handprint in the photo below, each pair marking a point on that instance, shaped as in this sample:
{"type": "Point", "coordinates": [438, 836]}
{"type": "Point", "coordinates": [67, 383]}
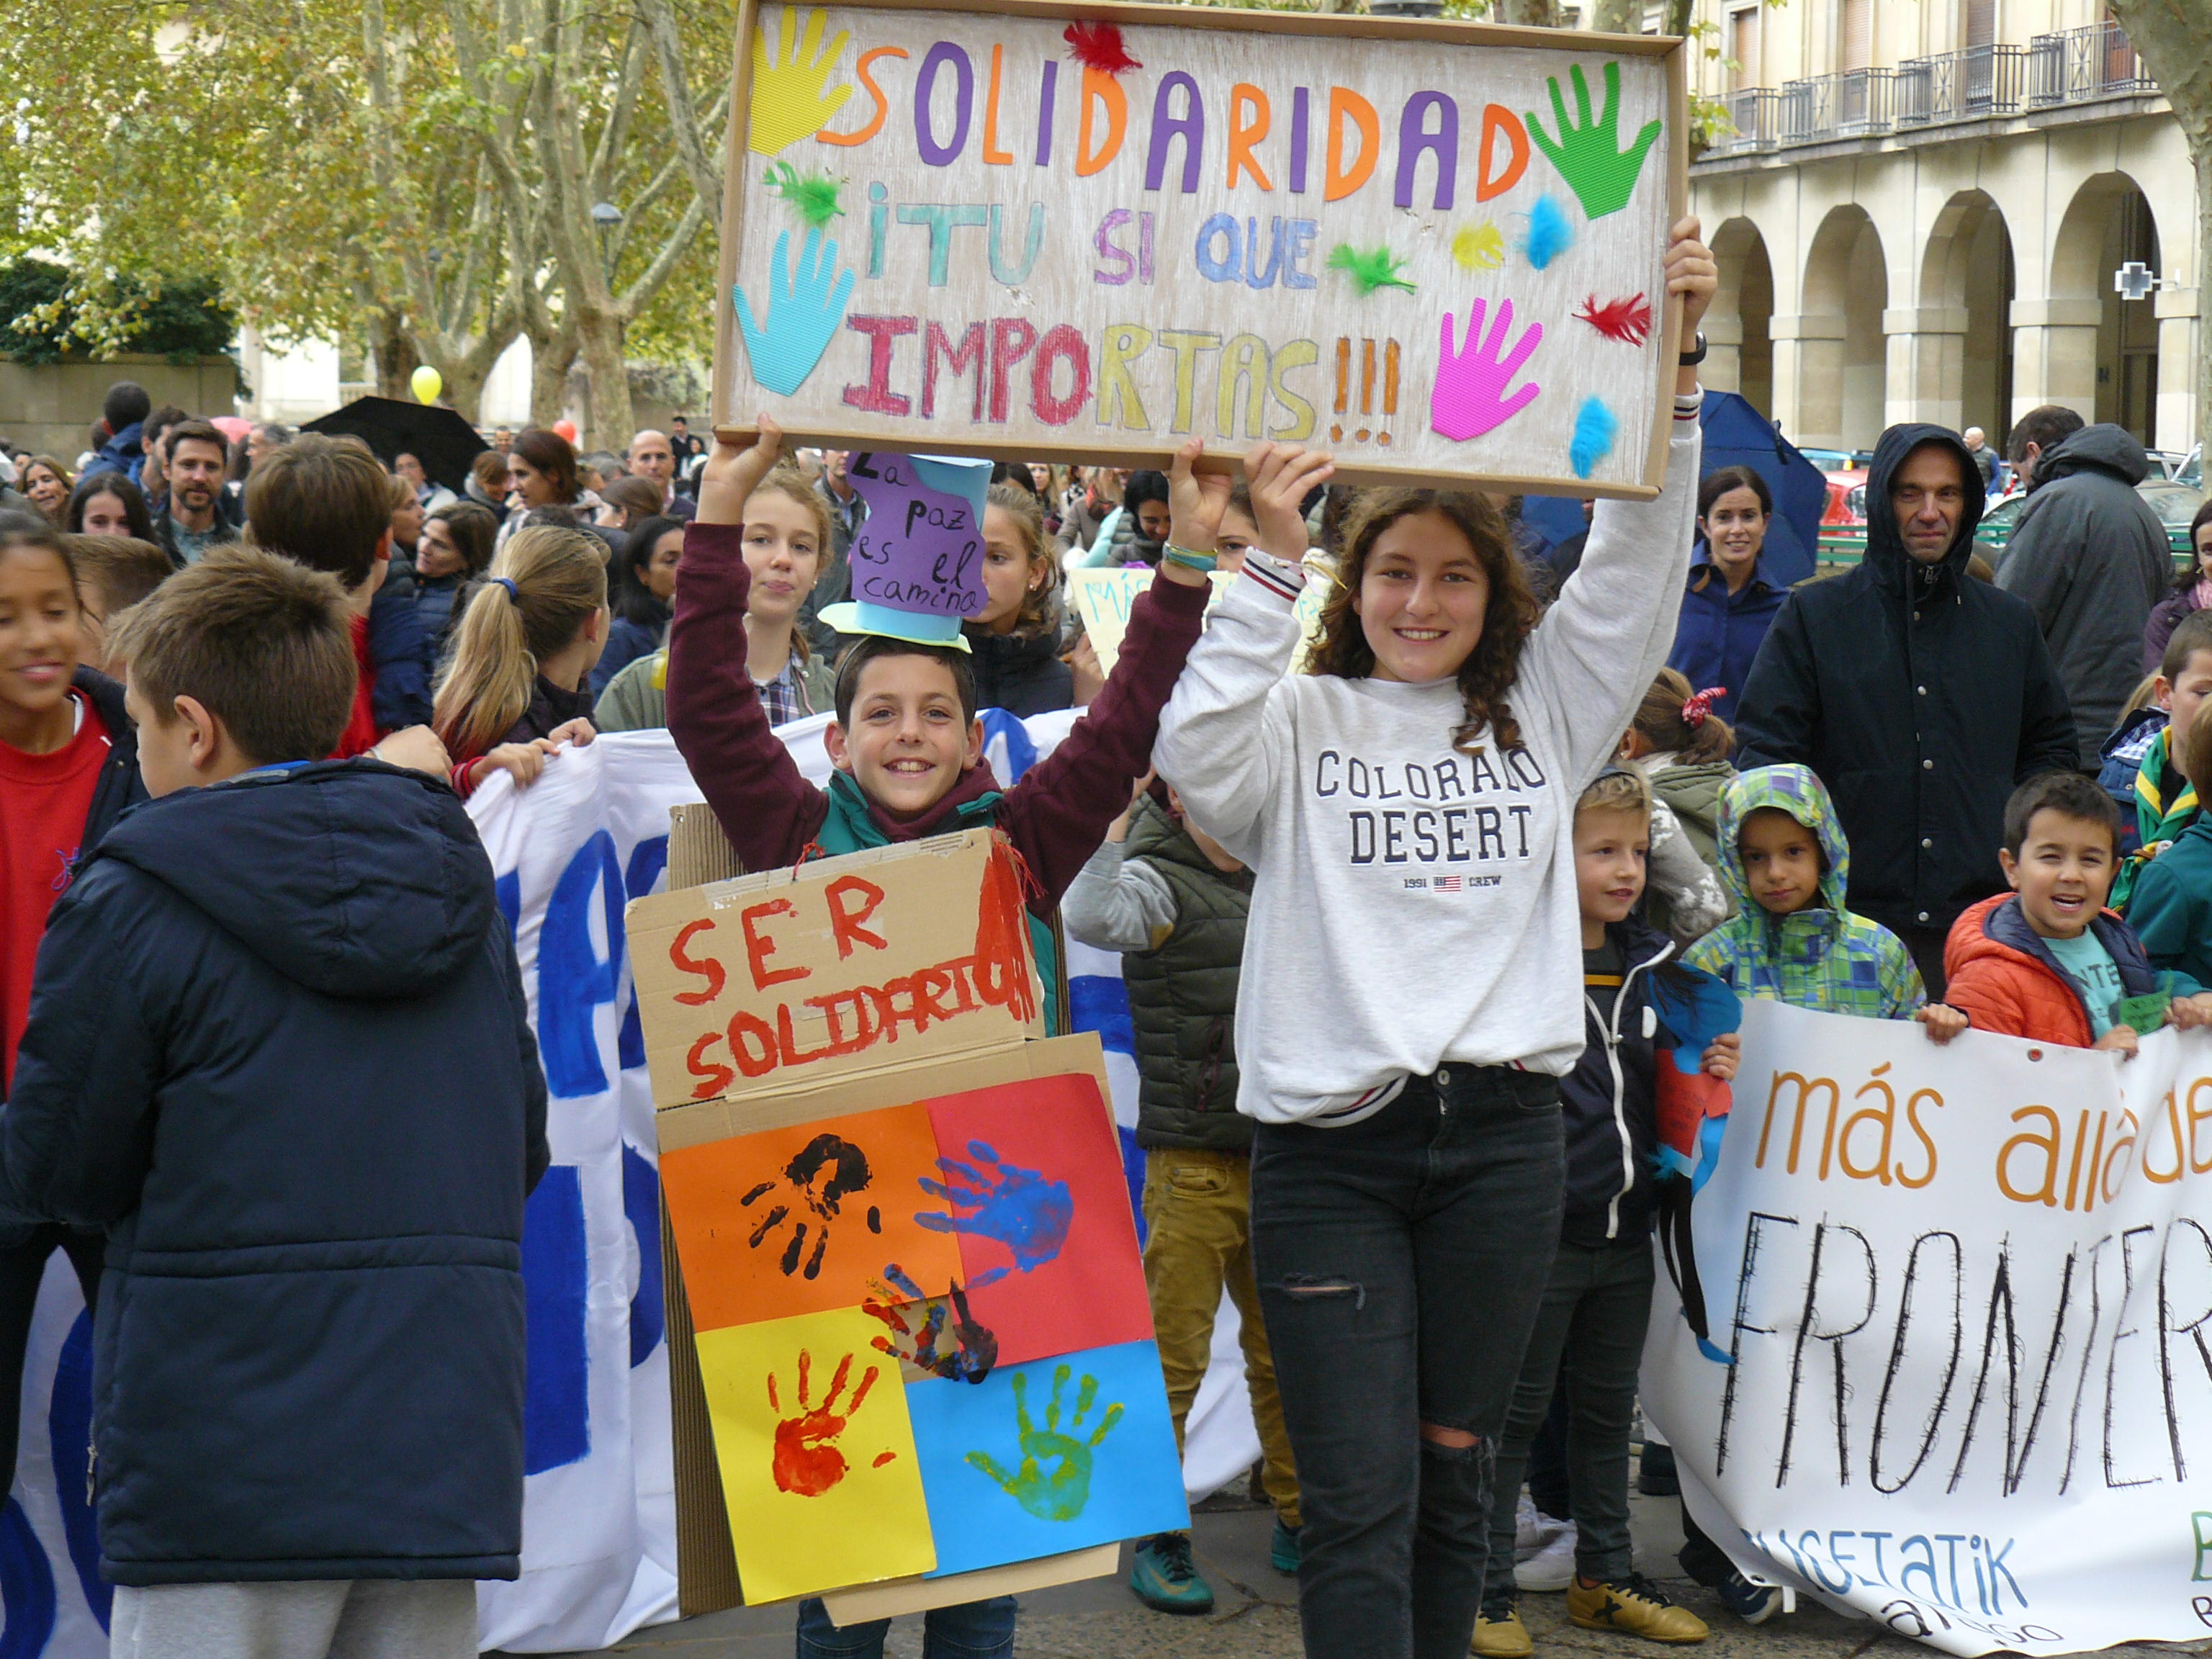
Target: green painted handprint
{"type": "Point", "coordinates": [1588, 155]}
{"type": "Point", "coordinates": [789, 101]}
{"type": "Point", "coordinates": [1060, 1495]}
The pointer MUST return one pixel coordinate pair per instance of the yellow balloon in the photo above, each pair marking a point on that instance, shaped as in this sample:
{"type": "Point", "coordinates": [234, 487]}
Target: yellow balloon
{"type": "Point", "coordinates": [427, 384]}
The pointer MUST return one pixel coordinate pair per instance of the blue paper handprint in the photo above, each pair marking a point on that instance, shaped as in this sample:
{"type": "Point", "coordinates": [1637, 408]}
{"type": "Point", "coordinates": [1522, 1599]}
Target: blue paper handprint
{"type": "Point", "coordinates": [803, 310]}
{"type": "Point", "coordinates": [1027, 1214]}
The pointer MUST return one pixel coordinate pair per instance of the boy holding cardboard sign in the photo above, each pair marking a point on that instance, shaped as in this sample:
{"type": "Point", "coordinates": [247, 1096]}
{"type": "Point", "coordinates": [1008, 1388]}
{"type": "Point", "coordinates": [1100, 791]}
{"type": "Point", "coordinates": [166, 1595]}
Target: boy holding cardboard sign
{"type": "Point", "coordinates": [906, 742]}
{"type": "Point", "coordinates": [907, 746]}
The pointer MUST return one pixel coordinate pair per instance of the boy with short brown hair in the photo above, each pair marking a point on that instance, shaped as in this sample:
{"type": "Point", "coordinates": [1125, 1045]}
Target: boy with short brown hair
{"type": "Point", "coordinates": [114, 573]}
{"type": "Point", "coordinates": [238, 1065]}
{"type": "Point", "coordinates": [2166, 802]}
{"type": "Point", "coordinates": [2047, 961]}
{"type": "Point", "coordinates": [2172, 911]}
{"type": "Point", "coordinates": [327, 502]}
{"type": "Point", "coordinates": [909, 753]}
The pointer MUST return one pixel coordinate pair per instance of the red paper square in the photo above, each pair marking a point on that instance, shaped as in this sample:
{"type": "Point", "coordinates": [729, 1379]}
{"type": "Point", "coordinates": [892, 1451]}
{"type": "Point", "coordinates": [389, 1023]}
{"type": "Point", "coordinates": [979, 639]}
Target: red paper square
{"type": "Point", "coordinates": [1032, 1187]}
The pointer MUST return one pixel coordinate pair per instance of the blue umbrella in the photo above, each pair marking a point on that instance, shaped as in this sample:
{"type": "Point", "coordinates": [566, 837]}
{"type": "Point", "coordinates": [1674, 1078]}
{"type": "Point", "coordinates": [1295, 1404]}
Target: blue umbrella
{"type": "Point", "coordinates": [1736, 435]}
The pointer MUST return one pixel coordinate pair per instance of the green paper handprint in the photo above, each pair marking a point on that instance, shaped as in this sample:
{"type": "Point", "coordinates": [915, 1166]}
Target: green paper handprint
{"type": "Point", "coordinates": [1588, 155]}
{"type": "Point", "coordinates": [1060, 1495]}
{"type": "Point", "coordinates": [789, 101]}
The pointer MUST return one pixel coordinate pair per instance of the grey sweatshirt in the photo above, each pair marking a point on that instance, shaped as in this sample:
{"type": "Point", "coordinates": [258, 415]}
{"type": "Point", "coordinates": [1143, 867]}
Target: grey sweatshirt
{"type": "Point", "coordinates": [1415, 904]}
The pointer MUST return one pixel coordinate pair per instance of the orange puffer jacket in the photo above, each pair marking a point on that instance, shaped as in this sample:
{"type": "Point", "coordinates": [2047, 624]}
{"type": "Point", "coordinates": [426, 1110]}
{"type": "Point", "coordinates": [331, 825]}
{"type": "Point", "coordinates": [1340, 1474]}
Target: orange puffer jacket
{"type": "Point", "coordinates": [2005, 979]}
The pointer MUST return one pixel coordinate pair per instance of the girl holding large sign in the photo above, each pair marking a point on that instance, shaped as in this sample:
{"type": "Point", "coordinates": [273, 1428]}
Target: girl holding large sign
{"type": "Point", "coordinates": [1408, 806]}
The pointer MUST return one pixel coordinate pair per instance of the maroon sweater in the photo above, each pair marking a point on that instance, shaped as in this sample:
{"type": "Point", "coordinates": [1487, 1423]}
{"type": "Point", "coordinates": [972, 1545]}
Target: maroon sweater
{"type": "Point", "coordinates": [1055, 817]}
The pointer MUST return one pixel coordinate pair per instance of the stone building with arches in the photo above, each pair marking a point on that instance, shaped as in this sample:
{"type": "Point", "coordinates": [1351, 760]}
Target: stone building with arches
{"type": "Point", "coordinates": [1923, 210]}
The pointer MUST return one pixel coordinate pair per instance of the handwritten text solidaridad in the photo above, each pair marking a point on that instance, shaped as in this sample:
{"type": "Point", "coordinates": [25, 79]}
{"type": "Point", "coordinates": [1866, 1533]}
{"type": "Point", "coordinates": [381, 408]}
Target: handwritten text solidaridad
{"type": "Point", "coordinates": [1032, 252]}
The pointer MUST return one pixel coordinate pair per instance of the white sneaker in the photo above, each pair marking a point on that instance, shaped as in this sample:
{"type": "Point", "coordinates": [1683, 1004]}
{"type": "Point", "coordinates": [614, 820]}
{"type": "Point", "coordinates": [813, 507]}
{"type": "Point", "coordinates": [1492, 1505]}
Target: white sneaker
{"type": "Point", "coordinates": [1552, 1567]}
{"type": "Point", "coordinates": [1533, 1528]}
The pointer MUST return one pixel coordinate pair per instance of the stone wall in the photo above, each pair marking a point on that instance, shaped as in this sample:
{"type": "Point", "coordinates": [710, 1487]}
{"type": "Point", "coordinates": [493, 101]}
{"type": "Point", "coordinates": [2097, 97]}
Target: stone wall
{"type": "Point", "coordinates": [49, 408]}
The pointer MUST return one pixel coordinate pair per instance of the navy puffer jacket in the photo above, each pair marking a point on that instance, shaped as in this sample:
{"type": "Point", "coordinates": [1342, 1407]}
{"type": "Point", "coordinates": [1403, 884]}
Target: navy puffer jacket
{"type": "Point", "coordinates": [278, 1049]}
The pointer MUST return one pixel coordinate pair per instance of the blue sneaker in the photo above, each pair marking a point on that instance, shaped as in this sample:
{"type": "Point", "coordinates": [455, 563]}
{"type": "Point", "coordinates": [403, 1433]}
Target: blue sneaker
{"type": "Point", "coordinates": [1284, 1550]}
{"type": "Point", "coordinates": [1753, 1603]}
{"type": "Point", "coordinates": [1164, 1578]}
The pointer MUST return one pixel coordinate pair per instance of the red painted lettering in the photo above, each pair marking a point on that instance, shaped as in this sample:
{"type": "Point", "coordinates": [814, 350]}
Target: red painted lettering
{"type": "Point", "coordinates": [705, 967]}
{"type": "Point", "coordinates": [848, 925]}
{"type": "Point", "coordinates": [713, 1076]}
{"type": "Point", "coordinates": [759, 947]}
{"type": "Point", "coordinates": [877, 396]}
{"type": "Point", "coordinates": [752, 1044]}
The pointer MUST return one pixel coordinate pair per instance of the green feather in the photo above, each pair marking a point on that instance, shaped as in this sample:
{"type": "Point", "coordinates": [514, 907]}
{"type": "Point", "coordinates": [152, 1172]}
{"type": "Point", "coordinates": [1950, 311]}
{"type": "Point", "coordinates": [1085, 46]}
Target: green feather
{"type": "Point", "coordinates": [1375, 268]}
{"type": "Point", "coordinates": [812, 195]}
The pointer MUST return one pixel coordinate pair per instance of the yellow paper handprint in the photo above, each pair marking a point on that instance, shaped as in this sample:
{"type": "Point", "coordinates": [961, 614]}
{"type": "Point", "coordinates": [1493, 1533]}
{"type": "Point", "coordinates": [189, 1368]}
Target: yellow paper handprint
{"type": "Point", "coordinates": [790, 100]}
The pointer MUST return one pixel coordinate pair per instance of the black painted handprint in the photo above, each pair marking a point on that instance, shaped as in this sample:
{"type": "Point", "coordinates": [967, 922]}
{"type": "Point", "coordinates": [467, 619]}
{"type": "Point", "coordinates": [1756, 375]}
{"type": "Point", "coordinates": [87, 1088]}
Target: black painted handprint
{"type": "Point", "coordinates": [828, 1170]}
{"type": "Point", "coordinates": [974, 1350]}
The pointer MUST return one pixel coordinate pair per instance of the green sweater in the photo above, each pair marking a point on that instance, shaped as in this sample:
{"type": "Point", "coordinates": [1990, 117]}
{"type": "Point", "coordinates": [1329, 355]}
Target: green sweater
{"type": "Point", "coordinates": [2170, 910]}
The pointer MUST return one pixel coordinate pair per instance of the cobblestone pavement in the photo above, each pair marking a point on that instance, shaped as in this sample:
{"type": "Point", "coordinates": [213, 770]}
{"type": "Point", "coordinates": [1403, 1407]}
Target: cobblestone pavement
{"type": "Point", "coordinates": [1256, 1614]}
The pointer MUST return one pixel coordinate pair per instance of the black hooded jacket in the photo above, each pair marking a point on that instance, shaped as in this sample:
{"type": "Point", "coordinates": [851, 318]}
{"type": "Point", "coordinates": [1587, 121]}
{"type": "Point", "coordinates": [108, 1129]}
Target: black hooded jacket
{"type": "Point", "coordinates": [1021, 673]}
{"type": "Point", "coordinates": [278, 1049]}
{"type": "Point", "coordinates": [1921, 697]}
{"type": "Point", "coordinates": [2092, 559]}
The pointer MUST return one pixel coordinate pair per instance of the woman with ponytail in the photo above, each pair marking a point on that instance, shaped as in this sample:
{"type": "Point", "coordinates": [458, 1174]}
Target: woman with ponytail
{"type": "Point", "coordinates": [516, 687]}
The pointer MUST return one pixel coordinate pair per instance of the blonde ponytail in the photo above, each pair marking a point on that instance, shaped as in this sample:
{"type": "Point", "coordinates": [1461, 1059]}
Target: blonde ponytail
{"type": "Point", "coordinates": [544, 586]}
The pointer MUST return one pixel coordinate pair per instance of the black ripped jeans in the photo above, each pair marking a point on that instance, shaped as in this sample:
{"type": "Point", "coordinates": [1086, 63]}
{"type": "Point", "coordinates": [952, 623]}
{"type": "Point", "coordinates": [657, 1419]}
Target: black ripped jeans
{"type": "Point", "coordinates": [1400, 1262]}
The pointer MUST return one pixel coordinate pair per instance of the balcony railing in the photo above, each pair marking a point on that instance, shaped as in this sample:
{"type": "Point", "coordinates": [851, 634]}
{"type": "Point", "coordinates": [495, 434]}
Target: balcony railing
{"type": "Point", "coordinates": [1754, 113]}
{"type": "Point", "coordinates": [1845, 105]}
{"type": "Point", "coordinates": [1959, 86]}
{"type": "Point", "coordinates": [2076, 64]}
{"type": "Point", "coordinates": [2072, 66]}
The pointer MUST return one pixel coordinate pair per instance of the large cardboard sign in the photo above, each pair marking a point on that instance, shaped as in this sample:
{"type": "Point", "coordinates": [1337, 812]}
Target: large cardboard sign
{"type": "Point", "coordinates": [909, 1304]}
{"type": "Point", "coordinates": [1027, 229]}
{"type": "Point", "coordinates": [959, 1374]}
{"type": "Point", "coordinates": [1956, 1375]}
{"type": "Point", "coordinates": [791, 979]}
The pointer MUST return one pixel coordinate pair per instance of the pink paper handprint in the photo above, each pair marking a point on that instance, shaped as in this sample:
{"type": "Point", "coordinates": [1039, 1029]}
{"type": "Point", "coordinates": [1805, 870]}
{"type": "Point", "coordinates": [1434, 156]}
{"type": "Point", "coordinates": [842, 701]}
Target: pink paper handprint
{"type": "Point", "coordinates": [1469, 397]}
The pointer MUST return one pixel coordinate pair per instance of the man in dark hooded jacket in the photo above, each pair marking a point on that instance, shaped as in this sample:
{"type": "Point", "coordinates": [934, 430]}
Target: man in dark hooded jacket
{"type": "Point", "coordinates": [2092, 559]}
{"type": "Point", "coordinates": [278, 1050]}
{"type": "Point", "coordinates": [1921, 697]}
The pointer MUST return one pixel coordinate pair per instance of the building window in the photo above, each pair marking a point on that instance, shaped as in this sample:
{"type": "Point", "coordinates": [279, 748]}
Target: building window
{"type": "Point", "coordinates": [1743, 47]}
{"type": "Point", "coordinates": [1981, 24]}
{"type": "Point", "coordinates": [1855, 37]}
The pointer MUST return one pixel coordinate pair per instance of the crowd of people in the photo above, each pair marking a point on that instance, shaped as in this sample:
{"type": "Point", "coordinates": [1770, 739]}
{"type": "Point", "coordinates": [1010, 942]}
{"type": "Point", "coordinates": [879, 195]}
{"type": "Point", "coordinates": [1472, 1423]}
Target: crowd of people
{"type": "Point", "coordinates": [272, 1090]}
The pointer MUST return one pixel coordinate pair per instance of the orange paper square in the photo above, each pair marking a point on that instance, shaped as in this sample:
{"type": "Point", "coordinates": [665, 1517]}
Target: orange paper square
{"type": "Point", "coordinates": [804, 1219]}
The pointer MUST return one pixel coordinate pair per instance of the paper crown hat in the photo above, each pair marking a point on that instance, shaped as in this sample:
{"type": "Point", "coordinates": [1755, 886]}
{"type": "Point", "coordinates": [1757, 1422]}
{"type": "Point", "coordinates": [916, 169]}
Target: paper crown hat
{"type": "Point", "coordinates": [917, 559]}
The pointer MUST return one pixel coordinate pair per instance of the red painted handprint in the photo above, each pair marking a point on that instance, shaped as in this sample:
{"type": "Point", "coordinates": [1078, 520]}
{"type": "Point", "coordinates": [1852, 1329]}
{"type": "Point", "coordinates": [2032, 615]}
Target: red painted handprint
{"type": "Point", "coordinates": [807, 1459]}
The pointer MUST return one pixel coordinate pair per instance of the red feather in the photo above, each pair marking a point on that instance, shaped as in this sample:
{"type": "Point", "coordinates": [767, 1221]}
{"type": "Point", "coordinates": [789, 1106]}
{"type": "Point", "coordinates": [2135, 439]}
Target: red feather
{"type": "Point", "coordinates": [1627, 320]}
{"type": "Point", "coordinates": [1098, 46]}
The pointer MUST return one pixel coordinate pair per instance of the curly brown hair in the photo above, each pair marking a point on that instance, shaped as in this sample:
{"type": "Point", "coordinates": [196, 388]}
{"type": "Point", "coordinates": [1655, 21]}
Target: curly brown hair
{"type": "Point", "coordinates": [1491, 667]}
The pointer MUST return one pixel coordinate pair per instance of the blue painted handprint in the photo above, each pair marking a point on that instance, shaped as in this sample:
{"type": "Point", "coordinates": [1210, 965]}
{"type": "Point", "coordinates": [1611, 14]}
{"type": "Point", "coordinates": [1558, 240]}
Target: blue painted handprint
{"type": "Point", "coordinates": [1027, 1214]}
{"type": "Point", "coordinates": [804, 311]}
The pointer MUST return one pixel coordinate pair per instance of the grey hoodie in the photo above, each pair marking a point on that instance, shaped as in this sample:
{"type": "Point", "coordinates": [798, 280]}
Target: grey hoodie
{"type": "Point", "coordinates": [2091, 559]}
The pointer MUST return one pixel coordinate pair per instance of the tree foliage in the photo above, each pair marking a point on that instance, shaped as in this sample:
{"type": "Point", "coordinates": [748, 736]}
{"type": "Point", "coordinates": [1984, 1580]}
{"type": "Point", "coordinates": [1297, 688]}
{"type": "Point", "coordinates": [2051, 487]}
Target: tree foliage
{"type": "Point", "coordinates": [415, 173]}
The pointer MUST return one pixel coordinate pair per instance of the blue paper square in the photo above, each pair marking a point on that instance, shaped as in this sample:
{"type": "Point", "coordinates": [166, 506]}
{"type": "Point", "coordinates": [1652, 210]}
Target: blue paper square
{"type": "Point", "coordinates": [1072, 1494]}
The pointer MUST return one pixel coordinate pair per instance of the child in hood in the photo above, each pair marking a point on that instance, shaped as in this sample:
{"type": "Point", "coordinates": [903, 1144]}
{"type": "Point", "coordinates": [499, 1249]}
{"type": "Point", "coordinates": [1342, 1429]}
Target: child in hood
{"type": "Point", "coordinates": [1785, 859]}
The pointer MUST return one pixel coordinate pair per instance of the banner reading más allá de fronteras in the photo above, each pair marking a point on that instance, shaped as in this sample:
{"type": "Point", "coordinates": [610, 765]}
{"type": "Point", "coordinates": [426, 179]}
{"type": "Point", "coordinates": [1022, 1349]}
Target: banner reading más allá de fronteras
{"type": "Point", "coordinates": [1958, 1374]}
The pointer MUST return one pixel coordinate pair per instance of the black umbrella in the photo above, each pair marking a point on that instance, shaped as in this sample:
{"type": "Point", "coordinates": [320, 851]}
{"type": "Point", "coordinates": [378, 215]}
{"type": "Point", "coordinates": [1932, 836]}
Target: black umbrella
{"type": "Point", "coordinates": [436, 436]}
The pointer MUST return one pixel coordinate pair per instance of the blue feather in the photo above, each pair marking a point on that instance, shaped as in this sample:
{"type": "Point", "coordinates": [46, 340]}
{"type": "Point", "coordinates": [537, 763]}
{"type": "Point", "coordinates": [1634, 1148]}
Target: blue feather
{"type": "Point", "coordinates": [1595, 427]}
{"type": "Point", "coordinates": [1550, 233]}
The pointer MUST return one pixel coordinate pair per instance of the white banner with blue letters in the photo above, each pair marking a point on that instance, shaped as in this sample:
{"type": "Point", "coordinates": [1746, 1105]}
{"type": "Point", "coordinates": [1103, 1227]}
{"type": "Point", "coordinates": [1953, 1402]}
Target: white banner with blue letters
{"type": "Point", "coordinates": [598, 1555]}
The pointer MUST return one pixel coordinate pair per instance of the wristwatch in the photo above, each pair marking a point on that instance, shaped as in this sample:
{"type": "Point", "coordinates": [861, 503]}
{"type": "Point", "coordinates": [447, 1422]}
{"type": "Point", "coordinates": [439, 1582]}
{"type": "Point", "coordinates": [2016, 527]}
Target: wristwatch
{"type": "Point", "coordinates": [1691, 358]}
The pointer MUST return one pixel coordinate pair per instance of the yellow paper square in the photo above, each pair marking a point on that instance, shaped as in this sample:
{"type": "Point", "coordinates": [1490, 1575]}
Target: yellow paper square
{"type": "Point", "coordinates": [817, 1455]}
